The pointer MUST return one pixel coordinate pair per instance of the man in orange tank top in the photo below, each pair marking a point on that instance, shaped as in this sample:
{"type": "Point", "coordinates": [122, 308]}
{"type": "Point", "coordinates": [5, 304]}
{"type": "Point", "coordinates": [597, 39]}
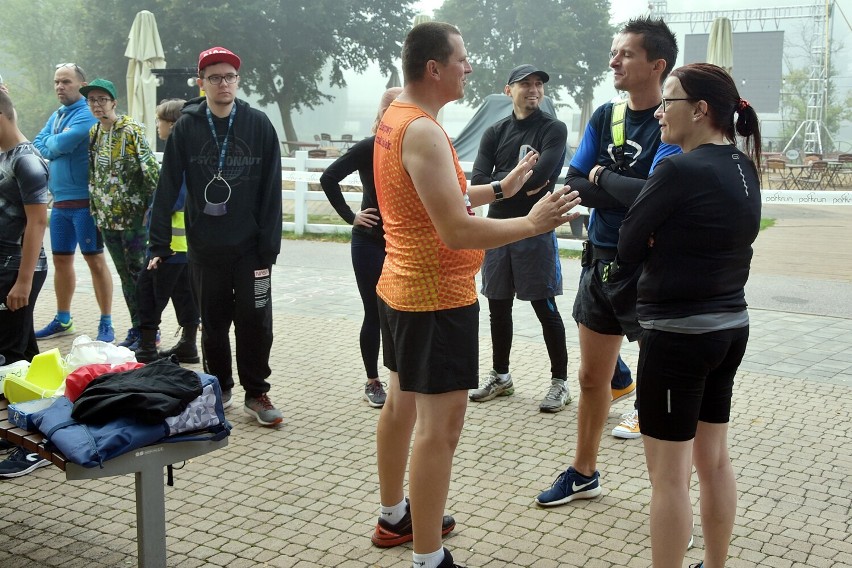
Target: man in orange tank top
{"type": "Point", "coordinates": [427, 295]}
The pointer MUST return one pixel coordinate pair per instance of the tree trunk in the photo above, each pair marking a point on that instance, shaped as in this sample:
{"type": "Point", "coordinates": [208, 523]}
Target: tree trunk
{"type": "Point", "coordinates": [286, 120]}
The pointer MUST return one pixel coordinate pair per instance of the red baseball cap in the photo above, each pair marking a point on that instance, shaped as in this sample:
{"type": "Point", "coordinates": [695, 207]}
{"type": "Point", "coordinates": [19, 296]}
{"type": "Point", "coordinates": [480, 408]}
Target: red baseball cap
{"type": "Point", "coordinates": [217, 55]}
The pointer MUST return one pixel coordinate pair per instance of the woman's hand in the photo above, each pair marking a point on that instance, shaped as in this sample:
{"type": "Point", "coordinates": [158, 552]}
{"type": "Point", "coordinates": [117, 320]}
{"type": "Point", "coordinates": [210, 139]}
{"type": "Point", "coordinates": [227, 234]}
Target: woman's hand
{"type": "Point", "coordinates": [366, 218]}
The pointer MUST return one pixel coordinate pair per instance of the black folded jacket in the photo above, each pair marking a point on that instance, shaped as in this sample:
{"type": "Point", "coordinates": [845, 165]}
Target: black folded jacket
{"type": "Point", "coordinates": [149, 394]}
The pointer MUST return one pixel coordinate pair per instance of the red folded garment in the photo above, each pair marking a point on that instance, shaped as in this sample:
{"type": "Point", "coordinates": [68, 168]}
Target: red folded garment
{"type": "Point", "coordinates": [78, 380]}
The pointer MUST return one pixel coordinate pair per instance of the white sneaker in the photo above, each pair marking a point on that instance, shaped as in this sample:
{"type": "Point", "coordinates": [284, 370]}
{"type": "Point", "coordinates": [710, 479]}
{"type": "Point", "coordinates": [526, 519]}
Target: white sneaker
{"type": "Point", "coordinates": [557, 396]}
{"type": "Point", "coordinates": [493, 387]}
{"type": "Point", "coordinates": [629, 426]}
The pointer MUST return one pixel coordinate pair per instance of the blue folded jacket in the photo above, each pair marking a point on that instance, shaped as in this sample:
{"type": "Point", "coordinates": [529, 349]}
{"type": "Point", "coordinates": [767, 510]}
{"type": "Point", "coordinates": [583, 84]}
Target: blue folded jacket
{"type": "Point", "coordinates": [90, 445]}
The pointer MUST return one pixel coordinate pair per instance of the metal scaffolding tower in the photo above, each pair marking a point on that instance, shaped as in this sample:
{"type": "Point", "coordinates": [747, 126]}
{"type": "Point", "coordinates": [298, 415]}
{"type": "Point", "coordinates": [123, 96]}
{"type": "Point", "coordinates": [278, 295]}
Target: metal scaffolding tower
{"type": "Point", "coordinates": [820, 13]}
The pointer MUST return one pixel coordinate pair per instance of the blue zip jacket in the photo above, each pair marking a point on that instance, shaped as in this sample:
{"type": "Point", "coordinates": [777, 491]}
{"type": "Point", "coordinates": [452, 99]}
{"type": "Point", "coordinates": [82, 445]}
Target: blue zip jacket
{"type": "Point", "coordinates": [64, 141]}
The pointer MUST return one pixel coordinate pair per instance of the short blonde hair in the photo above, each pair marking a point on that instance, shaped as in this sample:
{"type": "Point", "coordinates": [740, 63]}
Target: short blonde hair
{"type": "Point", "coordinates": [387, 98]}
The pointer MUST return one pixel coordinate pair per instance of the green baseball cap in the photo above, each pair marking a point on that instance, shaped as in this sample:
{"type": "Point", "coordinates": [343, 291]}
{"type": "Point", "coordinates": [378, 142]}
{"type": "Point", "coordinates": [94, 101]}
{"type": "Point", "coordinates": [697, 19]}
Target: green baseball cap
{"type": "Point", "coordinates": [101, 84]}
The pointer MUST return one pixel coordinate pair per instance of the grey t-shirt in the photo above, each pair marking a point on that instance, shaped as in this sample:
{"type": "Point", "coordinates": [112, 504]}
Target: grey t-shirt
{"type": "Point", "coordinates": [23, 181]}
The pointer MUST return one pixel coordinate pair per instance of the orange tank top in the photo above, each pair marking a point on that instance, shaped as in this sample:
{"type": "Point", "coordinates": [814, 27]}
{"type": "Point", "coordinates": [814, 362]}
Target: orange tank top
{"type": "Point", "coordinates": [420, 273]}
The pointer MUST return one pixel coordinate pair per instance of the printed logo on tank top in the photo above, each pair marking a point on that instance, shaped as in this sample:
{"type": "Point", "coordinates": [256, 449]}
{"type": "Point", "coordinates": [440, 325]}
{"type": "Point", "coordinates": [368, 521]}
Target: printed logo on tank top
{"type": "Point", "coordinates": [383, 135]}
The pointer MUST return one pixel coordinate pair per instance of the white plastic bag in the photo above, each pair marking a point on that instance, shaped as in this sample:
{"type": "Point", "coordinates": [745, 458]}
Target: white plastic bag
{"type": "Point", "coordinates": [86, 351]}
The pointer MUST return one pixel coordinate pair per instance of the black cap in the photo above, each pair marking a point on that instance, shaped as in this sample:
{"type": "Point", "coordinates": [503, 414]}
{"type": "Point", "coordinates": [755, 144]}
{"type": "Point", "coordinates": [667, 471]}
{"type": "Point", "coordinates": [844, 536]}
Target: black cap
{"type": "Point", "coordinates": [521, 72]}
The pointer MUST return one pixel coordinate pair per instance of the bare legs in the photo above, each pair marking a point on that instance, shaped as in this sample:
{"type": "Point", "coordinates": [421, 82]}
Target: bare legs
{"type": "Point", "coordinates": [101, 281]}
{"type": "Point", "coordinates": [65, 281]}
{"type": "Point", "coordinates": [393, 441]}
{"type": "Point", "coordinates": [598, 354]}
{"type": "Point", "coordinates": [670, 469]}
{"type": "Point", "coordinates": [718, 491]}
{"type": "Point", "coordinates": [439, 419]}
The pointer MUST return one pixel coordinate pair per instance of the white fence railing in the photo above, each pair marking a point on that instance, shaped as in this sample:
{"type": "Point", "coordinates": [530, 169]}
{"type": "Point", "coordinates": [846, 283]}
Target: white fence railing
{"type": "Point", "coordinates": [302, 171]}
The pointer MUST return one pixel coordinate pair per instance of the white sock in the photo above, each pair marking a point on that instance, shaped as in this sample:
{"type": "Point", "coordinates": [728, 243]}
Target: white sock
{"type": "Point", "coordinates": [431, 560]}
{"type": "Point", "coordinates": [395, 513]}
{"type": "Point", "coordinates": [503, 376]}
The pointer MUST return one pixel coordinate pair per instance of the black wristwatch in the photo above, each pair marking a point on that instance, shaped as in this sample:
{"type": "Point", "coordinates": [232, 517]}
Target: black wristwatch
{"type": "Point", "coordinates": [498, 190]}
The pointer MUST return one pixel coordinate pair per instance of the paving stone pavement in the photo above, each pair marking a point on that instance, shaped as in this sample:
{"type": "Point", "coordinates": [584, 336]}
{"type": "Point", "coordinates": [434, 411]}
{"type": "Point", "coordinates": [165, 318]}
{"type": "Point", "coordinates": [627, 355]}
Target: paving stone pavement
{"type": "Point", "coordinates": [306, 494]}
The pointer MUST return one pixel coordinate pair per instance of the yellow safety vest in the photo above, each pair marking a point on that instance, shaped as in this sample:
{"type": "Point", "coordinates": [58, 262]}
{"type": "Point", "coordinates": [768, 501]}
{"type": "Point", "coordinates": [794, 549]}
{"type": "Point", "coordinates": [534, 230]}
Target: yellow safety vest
{"type": "Point", "coordinates": [178, 232]}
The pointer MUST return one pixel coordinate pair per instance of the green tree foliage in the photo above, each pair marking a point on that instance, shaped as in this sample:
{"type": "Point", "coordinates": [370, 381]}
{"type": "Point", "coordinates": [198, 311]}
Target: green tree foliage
{"type": "Point", "coordinates": [570, 39]}
{"type": "Point", "coordinates": [288, 48]}
{"type": "Point", "coordinates": [33, 39]}
{"type": "Point", "coordinates": [794, 101]}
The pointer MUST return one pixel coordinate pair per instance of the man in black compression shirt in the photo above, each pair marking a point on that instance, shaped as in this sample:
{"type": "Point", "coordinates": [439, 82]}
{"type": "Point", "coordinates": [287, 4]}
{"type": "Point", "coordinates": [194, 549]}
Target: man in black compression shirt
{"type": "Point", "coordinates": [528, 268]}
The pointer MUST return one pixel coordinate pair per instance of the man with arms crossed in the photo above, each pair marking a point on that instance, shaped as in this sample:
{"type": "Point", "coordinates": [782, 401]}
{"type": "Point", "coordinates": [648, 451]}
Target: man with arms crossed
{"type": "Point", "coordinates": [428, 307]}
{"type": "Point", "coordinates": [529, 268]}
{"type": "Point", "coordinates": [643, 53]}
{"type": "Point", "coordinates": [64, 141]}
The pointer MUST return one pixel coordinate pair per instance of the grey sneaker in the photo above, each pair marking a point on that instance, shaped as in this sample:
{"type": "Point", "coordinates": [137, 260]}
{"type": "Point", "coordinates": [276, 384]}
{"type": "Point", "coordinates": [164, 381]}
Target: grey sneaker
{"type": "Point", "coordinates": [264, 412]}
{"type": "Point", "coordinates": [374, 394]}
{"type": "Point", "coordinates": [493, 387]}
{"type": "Point", "coordinates": [556, 398]}
{"type": "Point", "coordinates": [227, 398]}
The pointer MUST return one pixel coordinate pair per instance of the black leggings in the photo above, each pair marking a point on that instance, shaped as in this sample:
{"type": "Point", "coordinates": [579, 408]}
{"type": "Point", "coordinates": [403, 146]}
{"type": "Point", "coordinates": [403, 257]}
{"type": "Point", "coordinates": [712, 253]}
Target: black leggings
{"type": "Point", "coordinates": [551, 327]}
{"type": "Point", "coordinates": [368, 256]}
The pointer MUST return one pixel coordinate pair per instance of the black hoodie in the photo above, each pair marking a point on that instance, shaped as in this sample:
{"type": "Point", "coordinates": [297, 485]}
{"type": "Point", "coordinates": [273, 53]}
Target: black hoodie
{"type": "Point", "coordinates": [252, 223]}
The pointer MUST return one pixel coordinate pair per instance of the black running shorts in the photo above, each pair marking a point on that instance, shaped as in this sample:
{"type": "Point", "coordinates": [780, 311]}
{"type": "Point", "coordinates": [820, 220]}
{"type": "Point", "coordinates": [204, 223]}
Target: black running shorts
{"type": "Point", "coordinates": [684, 378]}
{"type": "Point", "coordinates": [433, 352]}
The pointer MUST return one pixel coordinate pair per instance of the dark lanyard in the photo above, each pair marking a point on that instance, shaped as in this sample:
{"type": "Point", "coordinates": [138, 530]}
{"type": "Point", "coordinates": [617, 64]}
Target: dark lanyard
{"type": "Point", "coordinates": [223, 149]}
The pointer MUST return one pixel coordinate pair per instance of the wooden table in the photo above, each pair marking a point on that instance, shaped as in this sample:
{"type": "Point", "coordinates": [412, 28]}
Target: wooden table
{"type": "Point", "coordinates": [146, 463]}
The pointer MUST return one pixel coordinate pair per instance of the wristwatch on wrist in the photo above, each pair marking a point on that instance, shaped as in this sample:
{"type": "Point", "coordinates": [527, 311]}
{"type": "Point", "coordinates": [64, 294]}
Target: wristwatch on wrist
{"type": "Point", "coordinates": [498, 190]}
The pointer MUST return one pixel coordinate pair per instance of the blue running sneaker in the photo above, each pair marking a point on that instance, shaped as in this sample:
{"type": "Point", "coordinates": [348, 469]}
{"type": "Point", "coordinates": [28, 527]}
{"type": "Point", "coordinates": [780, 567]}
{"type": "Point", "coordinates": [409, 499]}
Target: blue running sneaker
{"type": "Point", "coordinates": [569, 486]}
{"type": "Point", "coordinates": [106, 333]}
{"type": "Point", "coordinates": [132, 339]}
{"type": "Point", "coordinates": [55, 329]}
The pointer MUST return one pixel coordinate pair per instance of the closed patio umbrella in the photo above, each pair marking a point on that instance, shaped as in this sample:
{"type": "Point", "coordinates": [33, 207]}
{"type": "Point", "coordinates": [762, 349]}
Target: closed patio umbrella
{"type": "Point", "coordinates": [145, 52]}
{"type": "Point", "coordinates": [720, 45]}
